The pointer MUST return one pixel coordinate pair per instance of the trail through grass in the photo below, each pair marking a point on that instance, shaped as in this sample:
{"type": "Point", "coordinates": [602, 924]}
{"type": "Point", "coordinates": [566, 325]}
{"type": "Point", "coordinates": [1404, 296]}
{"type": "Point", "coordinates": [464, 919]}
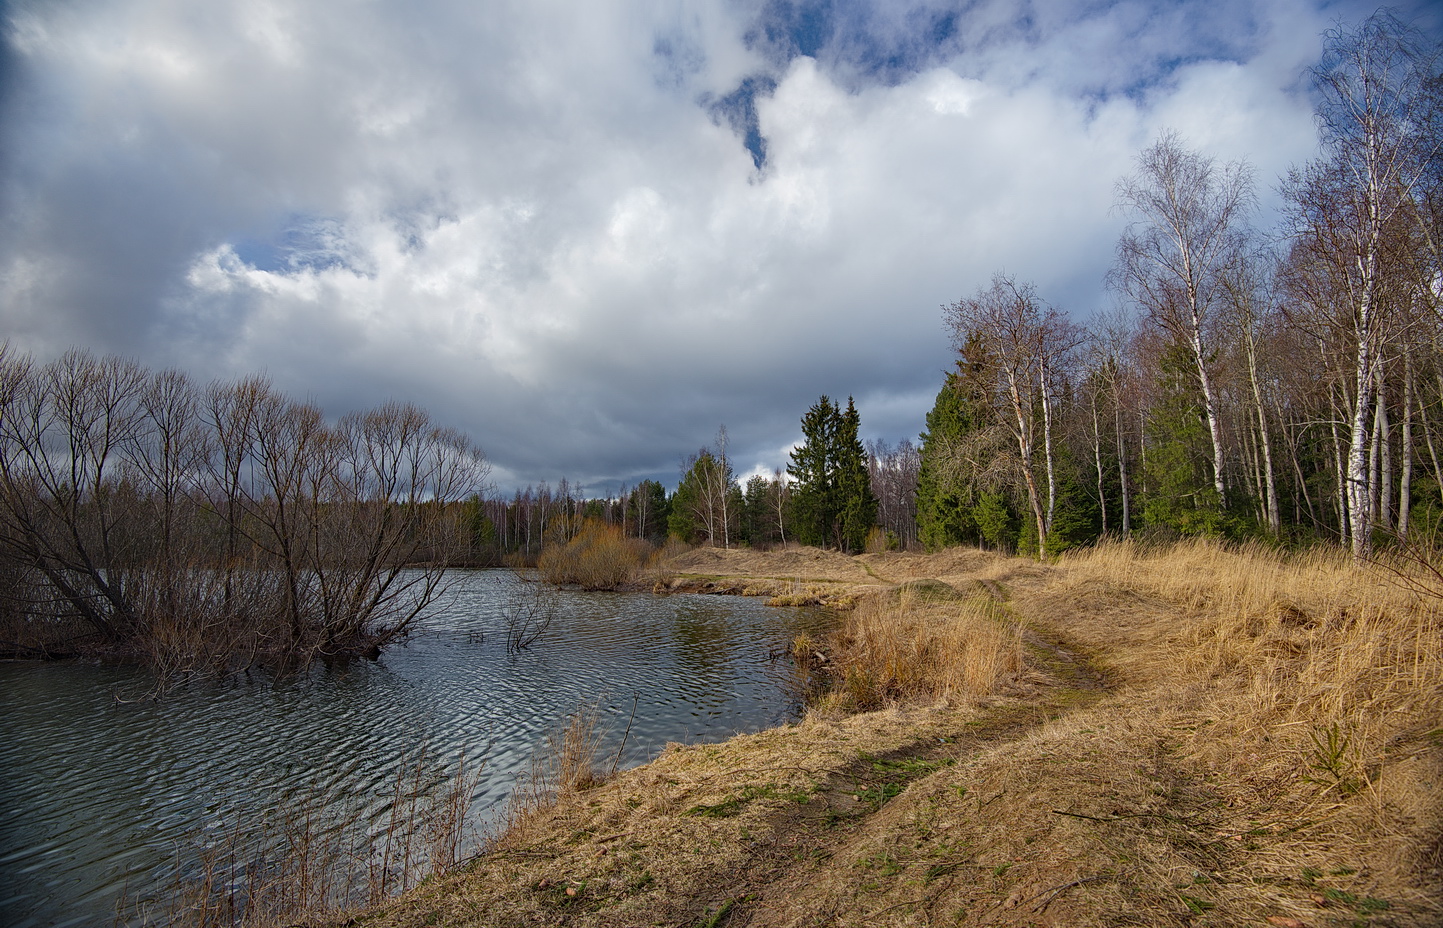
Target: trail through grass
{"type": "Point", "coordinates": [1178, 737]}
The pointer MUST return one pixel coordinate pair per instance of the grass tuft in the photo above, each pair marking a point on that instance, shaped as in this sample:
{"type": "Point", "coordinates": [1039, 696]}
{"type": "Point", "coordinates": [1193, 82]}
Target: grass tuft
{"type": "Point", "coordinates": [915, 646]}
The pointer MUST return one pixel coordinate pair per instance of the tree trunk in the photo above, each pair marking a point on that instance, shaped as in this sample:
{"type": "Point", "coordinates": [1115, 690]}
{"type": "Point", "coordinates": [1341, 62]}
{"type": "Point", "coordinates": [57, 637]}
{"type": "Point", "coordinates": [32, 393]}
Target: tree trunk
{"type": "Point", "coordinates": [1047, 445]}
{"type": "Point", "coordinates": [1024, 448]}
{"type": "Point", "coordinates": [1384, 429]}
{"type": "Point", "coordinates": [1097, 462]}
{"type": "Point", "coordinates": [1210, 403]}
{"type": "Point", "coordinates": [1405, 477]}
{"type": "Point", "coordinates": [1122, 471]}
{"type": "Point", "coordinates": [1359, 484]}
{"type": "Point", "coordinates": [1269, 482]}
{"type": "Point", "coordinates": [1340, 464]}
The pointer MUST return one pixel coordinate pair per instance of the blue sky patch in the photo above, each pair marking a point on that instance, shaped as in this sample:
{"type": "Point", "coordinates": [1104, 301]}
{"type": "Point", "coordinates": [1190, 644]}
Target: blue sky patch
{"type": "Point", "coordinates": [739, 110]}
{"type": "Point", "coordinates": [302, 244]}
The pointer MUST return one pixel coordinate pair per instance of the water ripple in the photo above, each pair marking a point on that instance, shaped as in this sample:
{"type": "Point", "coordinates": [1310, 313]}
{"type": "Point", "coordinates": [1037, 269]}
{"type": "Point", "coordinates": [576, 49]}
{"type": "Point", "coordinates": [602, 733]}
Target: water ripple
{"type": "Point", "coordinates": [100, 792]}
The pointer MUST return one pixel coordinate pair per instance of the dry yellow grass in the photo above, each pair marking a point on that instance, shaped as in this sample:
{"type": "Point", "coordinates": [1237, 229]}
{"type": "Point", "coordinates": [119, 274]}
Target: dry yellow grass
{"type": "Point", "coordinates": [1197, 736]}
{"type": "Point", "coordinates": [920, 644]}
{"type": "Point", "coordinates": [1307, 691]}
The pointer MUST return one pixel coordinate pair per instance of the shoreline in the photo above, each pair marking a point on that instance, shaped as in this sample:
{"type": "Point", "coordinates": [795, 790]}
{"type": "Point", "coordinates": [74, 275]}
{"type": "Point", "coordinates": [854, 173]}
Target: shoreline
{"type": "Point", "coordinates": [1125, 772]}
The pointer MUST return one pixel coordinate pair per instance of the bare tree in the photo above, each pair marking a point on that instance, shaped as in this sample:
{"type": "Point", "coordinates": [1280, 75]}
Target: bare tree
{"type": "Point", "coordinates": [1027, 343]}
{"type": "Point", "coordinates": [388, 543]}
{"type": "Point", "coordinates": [1186, 213]}
{"type": "Point", "coordinates": [529, 609]}
{"type": "Point", "coordinates": [1372, 118]}
{"type": "Point", "coordinates": [893, 473]}
{"type": "Point", "coordinates": [1249, 289]}
{"type": "Point", "coordinates": [719, 484]}
{"type": "Point", "coordinates": [1112, 357]}
{"type": "Point", "coordinates": [781, 494]}
{"type": "Point", "coordinates": [62, 430]}
{"type": "Point", "coordinates": [190, 528]}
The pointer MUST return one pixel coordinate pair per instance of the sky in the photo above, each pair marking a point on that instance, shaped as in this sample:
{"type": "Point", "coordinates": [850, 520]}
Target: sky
{"type": "Point", "coordinates": [588, 234]}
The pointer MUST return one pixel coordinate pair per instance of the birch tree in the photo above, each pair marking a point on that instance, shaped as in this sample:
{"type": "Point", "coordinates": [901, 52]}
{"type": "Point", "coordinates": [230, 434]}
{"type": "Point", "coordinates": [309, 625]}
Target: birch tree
{"type": "Point", "coordinates": [1186, 212]}
{"type": "Point", "coordinates": [1250, 297]}
{"type": "Point", "coordinates": [1372, 119]}
{"type": "Point", "coordinates": [1026, 342]}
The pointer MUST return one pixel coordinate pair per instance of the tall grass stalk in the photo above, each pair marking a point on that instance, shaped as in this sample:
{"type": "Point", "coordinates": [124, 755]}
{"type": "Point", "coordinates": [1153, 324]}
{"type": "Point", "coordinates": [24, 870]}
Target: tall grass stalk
{"type": "Point", "coordinates": [566, 762]}
{"type": "Point", "coordinates": [323, 852]}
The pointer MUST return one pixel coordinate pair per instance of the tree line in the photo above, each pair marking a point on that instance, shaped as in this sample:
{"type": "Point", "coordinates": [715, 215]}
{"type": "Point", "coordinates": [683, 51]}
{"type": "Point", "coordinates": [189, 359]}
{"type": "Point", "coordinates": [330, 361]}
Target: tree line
{"type": "Point", "coordinates": [1285, 383]}
{"type": "Point", "coordinates": [835, 492]}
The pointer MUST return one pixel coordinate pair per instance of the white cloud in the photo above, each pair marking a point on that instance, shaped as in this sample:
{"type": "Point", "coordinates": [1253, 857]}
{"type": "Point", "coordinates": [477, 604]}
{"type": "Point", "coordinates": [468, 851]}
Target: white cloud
{"type": "Point", "coordinates": [526, 218]}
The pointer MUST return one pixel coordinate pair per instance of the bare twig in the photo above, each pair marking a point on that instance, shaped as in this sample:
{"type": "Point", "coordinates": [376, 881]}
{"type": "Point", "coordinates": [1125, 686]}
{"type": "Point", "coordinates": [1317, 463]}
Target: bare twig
{"type": "Point", "coordinates": [1056, 891]}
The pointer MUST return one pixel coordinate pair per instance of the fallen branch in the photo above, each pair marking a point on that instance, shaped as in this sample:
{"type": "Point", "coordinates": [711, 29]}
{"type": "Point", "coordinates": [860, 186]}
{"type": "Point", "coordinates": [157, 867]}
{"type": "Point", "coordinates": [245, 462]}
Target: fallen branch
{"type": "Point", "coordinates": [1056, 891]}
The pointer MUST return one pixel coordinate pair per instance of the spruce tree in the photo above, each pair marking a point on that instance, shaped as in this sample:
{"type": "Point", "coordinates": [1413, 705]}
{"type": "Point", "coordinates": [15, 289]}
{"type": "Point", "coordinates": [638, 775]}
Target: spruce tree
{"type": "Point", "coordinates": [813, 498]}
{"type": "Point", "coordinates": [1178, 496]}
{"type": "Point", "coordinates": [832, 503]}
{"type": "Point", "coordinates": [944, 508]}
{"type": "Point", "coordinates": [856, 504]}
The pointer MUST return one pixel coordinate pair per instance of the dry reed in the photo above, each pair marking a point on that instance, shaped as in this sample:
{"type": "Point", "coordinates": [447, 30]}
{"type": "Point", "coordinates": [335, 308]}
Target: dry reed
{"type": "Point", "coordinates": [914, 645]}
{"type": "Point", "coordinates": [566, 762]}
{"type": "Point", "coordinates": [323, 852]}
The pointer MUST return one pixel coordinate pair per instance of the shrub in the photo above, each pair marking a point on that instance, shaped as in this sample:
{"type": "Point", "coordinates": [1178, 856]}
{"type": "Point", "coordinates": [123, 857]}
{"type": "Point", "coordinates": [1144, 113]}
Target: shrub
{"type": "Point", "coordinates": [880, 540]}
{"type": "Point", "coordinates": [598, 558]}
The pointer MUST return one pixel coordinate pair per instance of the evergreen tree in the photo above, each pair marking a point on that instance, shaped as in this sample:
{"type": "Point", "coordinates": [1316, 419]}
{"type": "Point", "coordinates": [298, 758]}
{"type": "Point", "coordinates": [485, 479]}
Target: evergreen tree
{"type": "Point", "coordinates": [996, 520]}
{"type": "Point", "coordinates": [759, 518]}
{"type": "Point", "coordinates": [944, 507]}
{"type": "Point", "coordinates": [813, 496]}
{"type": "Point", "coordinates": [832, 502]}
{"type": "Point", "coordinates": [1175, 465]}
{"type": "Point", "coordinates": [856, 503]}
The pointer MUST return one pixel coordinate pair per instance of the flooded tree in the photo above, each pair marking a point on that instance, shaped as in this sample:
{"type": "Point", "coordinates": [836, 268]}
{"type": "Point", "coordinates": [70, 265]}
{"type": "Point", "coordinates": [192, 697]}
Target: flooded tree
{"type": "Point", "coordinates": [146, 518]}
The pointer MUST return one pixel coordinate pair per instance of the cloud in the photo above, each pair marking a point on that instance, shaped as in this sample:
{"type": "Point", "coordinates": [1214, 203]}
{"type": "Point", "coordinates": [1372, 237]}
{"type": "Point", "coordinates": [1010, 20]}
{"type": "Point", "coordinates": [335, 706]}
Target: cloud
{"type": "Point", "coordinates": [588, 234]}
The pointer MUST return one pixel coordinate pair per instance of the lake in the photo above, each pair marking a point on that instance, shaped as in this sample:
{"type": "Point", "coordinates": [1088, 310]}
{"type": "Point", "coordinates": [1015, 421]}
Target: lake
{"type": "Point", "coordinates": [107, 789]}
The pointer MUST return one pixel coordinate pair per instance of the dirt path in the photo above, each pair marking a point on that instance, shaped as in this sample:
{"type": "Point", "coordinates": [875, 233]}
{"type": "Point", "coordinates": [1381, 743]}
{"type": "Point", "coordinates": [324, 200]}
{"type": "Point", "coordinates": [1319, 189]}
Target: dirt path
{"type": "Point", "coordinates": [812, 849]}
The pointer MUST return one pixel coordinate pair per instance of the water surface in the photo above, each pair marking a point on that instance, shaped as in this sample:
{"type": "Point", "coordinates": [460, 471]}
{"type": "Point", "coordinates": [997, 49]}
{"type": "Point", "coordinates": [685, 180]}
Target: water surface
{"type": "Point", "coordinates": [105, 789]}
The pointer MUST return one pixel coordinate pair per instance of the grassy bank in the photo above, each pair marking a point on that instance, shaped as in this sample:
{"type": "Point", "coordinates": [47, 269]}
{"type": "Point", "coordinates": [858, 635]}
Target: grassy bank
{"type": "Point", "coordinates": [1191, 736]}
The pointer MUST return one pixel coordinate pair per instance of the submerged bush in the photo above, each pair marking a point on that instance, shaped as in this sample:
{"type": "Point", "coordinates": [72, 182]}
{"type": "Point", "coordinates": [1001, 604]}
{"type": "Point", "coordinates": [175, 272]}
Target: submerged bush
{"type": "Point", "coordinates": [144, 516]}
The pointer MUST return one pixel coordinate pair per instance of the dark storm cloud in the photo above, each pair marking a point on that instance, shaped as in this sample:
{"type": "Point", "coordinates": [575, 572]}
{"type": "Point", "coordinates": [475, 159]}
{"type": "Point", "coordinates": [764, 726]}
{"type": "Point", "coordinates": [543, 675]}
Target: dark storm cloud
{"type": "Point", "coordinates": [588, 234]}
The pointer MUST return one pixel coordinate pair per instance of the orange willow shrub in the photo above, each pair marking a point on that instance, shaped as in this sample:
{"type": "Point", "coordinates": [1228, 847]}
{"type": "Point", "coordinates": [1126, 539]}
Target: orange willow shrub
{"type": "Point", "coordinates": [598, 558]}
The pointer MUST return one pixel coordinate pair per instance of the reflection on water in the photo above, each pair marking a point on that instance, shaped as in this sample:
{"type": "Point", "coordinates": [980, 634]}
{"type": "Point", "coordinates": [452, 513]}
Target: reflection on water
{"type": "Point", "coordinates": [100, 793]}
